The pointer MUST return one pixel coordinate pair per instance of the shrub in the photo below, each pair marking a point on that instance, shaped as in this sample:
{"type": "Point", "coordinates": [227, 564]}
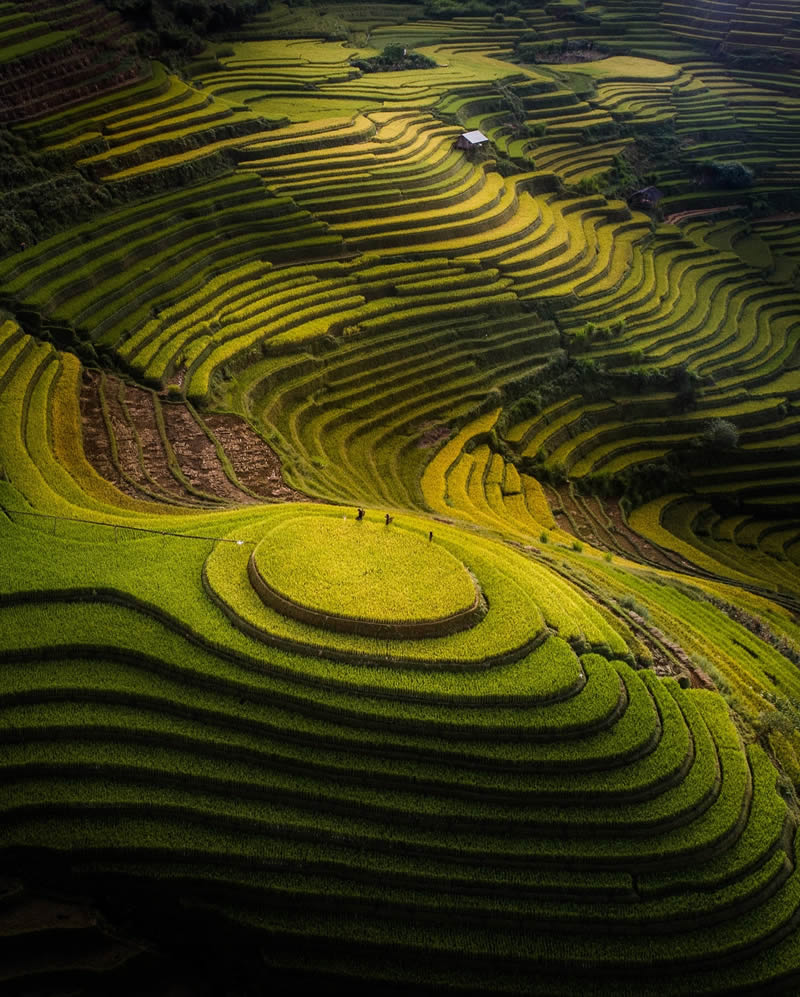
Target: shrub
{"type": "Point", "coordinates": [629, 602]}
{"type": "Point", "coordinates": [719, 680]}
{"type": "Point", "coordinates": [446, 9]}
{"type": "Point", "coordinates": [729, 174]}
{"type": "Point", "coordinates": [720, 434]}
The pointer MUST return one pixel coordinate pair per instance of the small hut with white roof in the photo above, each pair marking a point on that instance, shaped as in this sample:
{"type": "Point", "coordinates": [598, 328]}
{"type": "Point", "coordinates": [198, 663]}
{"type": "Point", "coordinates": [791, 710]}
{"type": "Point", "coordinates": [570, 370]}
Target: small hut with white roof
{"type": "Point", "coordinates": [471, 140]}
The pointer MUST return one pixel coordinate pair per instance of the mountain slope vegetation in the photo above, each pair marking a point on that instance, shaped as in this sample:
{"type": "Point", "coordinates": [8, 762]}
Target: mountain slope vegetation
{"type": "Point", "coordinates": [400, 542]}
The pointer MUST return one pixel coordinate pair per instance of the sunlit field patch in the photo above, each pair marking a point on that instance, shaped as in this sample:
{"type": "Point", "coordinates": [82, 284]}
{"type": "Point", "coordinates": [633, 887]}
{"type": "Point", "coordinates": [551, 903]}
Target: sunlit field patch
{"type": "Point", "coordinates": [363, 569]}
{"type": "Point", "coordinates": [468, 739]}
{"type": "Point", "coordinates": [624, 67]}
{"type": "Point", "coordinates": [513, 624]}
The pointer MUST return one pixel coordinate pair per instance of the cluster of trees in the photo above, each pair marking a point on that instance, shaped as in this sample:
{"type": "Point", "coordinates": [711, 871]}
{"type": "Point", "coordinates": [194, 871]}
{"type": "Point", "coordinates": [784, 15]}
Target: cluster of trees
{"type": "Point", "coordinates": [530, 49]}
{"type": "Point", "coordinates": [40, 194]}
{"type": "Point", "coordinates": [392, 59]}
{"type": "Point", "coordinates": [591, 332]}
{"type": "Point", "coordinates": [446, 9]}
{"type": "Point", "coordinates": [633, 486]}
{"type": "Point", "coordinates": [643, 482]}
{"type": "Point", "coordinates": [728, 174]}
{"type": "Point", "coordinates": [175, 29]}
{"type": "Point", "coordinates": [564, 376]}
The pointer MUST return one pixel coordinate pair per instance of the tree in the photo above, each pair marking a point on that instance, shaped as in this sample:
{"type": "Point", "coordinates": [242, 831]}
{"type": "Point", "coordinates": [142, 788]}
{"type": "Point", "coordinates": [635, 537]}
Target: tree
{"type": "Point", "coordinates": [393, 53]}
{"type": "Point", "coordinates": [720, 434]}
{"type": "Point", "coordinates": [685, 383]}
{"type": "Point", "coordinates": [730, 174]}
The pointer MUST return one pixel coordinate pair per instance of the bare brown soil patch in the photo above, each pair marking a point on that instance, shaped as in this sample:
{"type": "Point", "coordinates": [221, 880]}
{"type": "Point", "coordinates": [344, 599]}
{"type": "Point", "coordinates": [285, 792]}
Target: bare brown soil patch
{"type": "Point", "coordinates": [96, 441]}
{"type": "Point", "coordinates": [433, 433]}
{"type": "Point", "coordinates": [600, 523]}
{"type": "Point", "coordinates": [255, 464]}
{"type": "Point", "coordinates": [165, 453]}
{"type": "Point", "coordinates": [136, 405]}
{"type": "Point", "coordinates": [197, 456]}
{"type": "Point", "coordinates": [786, 216]}
{"type": "Point", "coordinates": [640, 548]}
{"type": "Point", "coordinates": [582, 525]}
{"type": "Point", "coordinates": [138, 448]}
{"type": "Point", "coordinates": [553, 497]}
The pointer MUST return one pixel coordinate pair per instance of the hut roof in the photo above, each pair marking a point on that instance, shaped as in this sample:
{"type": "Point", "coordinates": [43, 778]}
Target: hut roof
{"type": "Point", "coordinates": [474, 138]}
{"type": "Point", "coordinates": [652, 194]}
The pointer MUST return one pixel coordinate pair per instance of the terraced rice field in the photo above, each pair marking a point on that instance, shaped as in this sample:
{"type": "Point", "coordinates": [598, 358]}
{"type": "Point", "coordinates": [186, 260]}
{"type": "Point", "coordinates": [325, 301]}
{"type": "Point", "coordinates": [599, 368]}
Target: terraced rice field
{"type": "Point", "coordinates": [529, 722]}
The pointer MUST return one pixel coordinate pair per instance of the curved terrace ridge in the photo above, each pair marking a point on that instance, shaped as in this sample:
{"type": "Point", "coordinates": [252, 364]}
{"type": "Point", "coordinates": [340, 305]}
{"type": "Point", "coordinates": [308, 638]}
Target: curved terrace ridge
{"type": "Point", "coordinates": [507, 623]}
{"type": "Point", "coordinates": [364, 576]}
{"type": "Point", "coordinates": [533, 731]}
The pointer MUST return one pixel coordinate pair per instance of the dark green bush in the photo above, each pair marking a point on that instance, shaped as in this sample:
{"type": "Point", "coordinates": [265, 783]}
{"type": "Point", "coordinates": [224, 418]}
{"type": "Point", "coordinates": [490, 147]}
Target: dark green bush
{"type": "Point", "coordinates": [393, 58]}
{"type": "Point", "coordinates": [720, 434]}
{"type": "Point", "coordinates": [729, 174]}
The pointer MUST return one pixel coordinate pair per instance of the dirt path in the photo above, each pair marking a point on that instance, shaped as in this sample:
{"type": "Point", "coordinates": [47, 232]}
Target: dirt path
{"type": "Point", "coordinates": [681, 216]}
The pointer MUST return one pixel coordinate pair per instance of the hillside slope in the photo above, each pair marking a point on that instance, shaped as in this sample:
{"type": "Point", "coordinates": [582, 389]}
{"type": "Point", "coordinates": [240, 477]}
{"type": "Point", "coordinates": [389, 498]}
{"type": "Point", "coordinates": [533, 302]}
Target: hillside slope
{"type": "Point", "coordinates": [530, 721]}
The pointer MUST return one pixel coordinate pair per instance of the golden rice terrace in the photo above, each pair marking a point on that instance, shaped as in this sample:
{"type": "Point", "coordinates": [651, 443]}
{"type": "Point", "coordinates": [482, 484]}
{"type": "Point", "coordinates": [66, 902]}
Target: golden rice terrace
{"type": "Point", "coordinates": [399, 498]}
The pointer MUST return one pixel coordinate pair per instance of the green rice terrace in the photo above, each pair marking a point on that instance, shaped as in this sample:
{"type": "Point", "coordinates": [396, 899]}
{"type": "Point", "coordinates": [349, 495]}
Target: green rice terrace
{"type": "Point", "coordinates": [336, 573]}
{"type": "Point", "coordinates": [400, 497]}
